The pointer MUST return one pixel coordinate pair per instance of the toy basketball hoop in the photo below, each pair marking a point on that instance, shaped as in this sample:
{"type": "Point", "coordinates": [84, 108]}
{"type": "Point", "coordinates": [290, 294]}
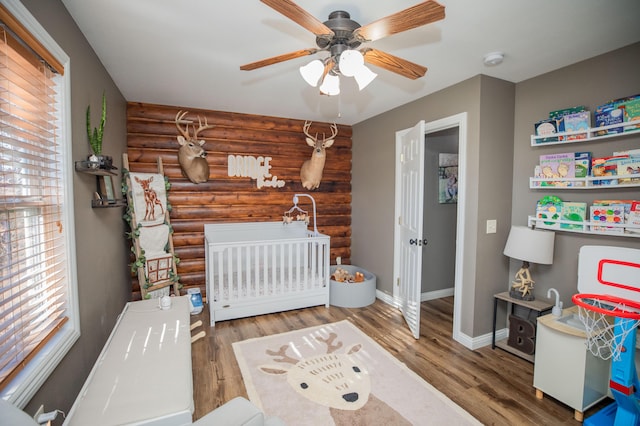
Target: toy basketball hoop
{"type": "Point", "coordinates": [608, 320]}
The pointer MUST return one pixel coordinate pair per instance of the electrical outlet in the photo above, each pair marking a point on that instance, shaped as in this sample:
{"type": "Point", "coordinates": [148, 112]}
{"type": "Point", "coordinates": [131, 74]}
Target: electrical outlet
{"type": "Point", "coordinates": [492, 226]}
{"type": "Point", "coordinates": [339, 260]}
{"type": "Point", "coordinates": [40, 411]}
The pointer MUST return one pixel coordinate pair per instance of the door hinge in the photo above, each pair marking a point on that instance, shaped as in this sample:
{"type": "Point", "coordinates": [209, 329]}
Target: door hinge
{"type": "Point", "coordinates": [398, 281]}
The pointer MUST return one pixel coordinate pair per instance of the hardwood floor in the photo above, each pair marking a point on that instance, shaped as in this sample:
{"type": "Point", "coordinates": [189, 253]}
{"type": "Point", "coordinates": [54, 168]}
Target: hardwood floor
{"type": "Point", "coordinates": [494, 386]}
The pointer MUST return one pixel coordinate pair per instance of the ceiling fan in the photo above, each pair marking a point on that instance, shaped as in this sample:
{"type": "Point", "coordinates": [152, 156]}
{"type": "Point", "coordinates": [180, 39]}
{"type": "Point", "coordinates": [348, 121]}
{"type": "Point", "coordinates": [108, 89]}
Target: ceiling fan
{"type": "Point", "coordinates": [340, 34]}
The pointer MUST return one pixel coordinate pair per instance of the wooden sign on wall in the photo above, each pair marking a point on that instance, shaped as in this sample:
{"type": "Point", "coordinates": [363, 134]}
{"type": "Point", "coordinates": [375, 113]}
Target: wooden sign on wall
{"type": "Point", "coordinates": [257, 168]}
{"type": "Point", "coordinates": [152, 134]}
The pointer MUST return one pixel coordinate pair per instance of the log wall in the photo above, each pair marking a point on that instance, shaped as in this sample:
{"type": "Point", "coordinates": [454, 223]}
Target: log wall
{"type": "Point", "coordinates": [151, 134]}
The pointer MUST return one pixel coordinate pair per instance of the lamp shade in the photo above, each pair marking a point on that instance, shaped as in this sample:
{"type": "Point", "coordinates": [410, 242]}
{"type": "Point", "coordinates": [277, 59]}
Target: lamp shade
{"type": "Point", "coordinates": [364, 76]}
{"type": "Point", "coordinates": [312, 72]}
{"type": "Point", "coordinates": [350, 62]}
{"type": "Point", "coordinates": [330, 85]}
{"type": "Point", "coordinates": [530, 245]}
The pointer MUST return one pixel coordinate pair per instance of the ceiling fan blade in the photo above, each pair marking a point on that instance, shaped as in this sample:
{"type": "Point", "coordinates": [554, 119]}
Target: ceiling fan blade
{"type": "Point", "coordinates": [299, 16]}
{"type": "Point", "coordinates": [277, 59]}
{"type": "Point", "coordinates": [394, 64]}
{"type": "Point", "coordinates": [413, 17]}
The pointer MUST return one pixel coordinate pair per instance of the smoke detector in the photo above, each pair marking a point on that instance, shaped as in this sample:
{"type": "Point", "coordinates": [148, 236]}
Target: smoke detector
{"type": "Point", "coordinates": [493, 58]}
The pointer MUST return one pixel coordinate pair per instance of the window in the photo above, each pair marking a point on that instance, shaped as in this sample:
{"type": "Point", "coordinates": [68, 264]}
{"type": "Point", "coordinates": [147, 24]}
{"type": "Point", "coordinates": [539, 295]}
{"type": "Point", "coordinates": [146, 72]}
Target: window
{"type": "Point", "coordinates": [38, 307]}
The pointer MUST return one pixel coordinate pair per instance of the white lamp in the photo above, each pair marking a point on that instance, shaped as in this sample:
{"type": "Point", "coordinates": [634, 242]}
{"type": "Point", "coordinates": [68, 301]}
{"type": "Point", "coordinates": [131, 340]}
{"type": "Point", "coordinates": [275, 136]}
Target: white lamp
{"type": "Point", "coordinates": [312, 72]}
{"type": "Point", "coordinates": [330, 85]}
{"type": "Point", "coordinates": [351, 64]}
{"type": "Point", "coordinates": [364, 76]}
{"type": "Point", "coordinates": [530, 246]}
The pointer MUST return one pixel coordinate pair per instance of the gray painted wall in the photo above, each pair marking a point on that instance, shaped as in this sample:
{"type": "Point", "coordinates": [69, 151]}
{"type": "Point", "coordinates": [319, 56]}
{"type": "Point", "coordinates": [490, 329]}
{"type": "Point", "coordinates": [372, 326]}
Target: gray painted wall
{"type": "Point", "coordinates": [102, 254]}
{"type": "Point", "coordinates": [590, 83]}
{"type": "Point", "coordinates": [500, 163]}
{"type": "Point", "coordinates": [489, 105]}
{"type": "Point", "coordinates": [439, 226]}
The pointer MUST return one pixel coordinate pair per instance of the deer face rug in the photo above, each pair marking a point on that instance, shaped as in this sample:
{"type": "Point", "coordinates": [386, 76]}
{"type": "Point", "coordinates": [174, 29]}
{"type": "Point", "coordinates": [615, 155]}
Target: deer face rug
{"type": "Point", "coordinates": [336, 374]}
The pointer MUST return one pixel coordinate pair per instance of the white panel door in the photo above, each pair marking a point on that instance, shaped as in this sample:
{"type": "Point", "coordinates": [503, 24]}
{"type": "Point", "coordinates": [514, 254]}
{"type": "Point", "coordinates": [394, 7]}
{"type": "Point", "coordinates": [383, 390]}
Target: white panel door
{"type": "Point", "coordinates": [409, 240]}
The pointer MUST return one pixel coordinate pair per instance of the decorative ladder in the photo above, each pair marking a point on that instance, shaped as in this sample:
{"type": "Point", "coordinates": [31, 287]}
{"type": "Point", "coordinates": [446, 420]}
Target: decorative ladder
{"type": "Point", "coordinates": [146, 279]}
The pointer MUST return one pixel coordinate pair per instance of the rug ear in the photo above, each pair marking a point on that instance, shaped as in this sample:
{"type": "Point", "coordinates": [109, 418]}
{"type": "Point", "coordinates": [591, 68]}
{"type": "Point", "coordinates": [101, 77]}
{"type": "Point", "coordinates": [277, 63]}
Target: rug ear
{"type": "Point", "coordinates": [273, 369]}
{"type": "Point", "coordinates": [353, 349]}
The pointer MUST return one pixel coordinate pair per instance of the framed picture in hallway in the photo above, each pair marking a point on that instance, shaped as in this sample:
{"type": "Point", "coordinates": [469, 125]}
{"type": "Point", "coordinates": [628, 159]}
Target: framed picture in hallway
{"type": "Point", "coordinates": [448, 178]}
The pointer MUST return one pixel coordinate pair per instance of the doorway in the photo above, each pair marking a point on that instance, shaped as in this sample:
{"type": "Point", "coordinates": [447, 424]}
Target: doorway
{"type": "Point", "coordinates": [440, 213]}
{"type": "Point", "coordinates": [431, 130]}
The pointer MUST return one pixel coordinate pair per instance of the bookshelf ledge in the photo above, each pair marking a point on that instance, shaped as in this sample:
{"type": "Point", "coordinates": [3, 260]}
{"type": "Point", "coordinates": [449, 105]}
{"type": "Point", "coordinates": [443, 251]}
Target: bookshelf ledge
{"type": "Point", "coordinates": [615, 230]}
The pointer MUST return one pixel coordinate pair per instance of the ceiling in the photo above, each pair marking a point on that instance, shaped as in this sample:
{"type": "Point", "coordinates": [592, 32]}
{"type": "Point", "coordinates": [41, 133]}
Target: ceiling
{"type": "Point", "coordinates": [188, 53]}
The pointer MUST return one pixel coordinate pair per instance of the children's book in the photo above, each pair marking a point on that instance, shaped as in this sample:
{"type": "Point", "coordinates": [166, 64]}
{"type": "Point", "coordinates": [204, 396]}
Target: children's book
{"type": "Point", "coordinates": [575, 212]}
{"type": "Point", "coordinates": [629, 170]}
{"type": "Point", "coordinates": [555, 166]}
{"type": "Point", "coordinates": [577, 122]}
{"type": "Point", "coordinates": [606, 166]}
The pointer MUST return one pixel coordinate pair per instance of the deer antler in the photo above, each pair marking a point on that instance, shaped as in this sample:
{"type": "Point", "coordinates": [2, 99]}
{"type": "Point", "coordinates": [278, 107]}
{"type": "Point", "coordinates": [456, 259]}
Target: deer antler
{"type": "Point", "coordinates": [334, 131]}
{"type": "Point", "coordinates": [206, 126]}
{"type": "Point", "coordinates": [283, 355]}
{"type": "Point", "coordinates": [180, 119]}
{"type": "Point", "coordinates": [305, 129]}
{"type": "Point", "coordinates": [307, 125]}
{"type": "Point", "coordinates": [329, 341]}
{"type": "Point", "coordinates": [185, 132]}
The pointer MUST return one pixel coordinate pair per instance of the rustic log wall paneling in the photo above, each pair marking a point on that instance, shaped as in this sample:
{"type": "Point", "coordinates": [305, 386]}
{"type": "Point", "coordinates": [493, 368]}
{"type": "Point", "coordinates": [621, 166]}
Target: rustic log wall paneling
{"type": "Point", "coordinates": [151, 134]}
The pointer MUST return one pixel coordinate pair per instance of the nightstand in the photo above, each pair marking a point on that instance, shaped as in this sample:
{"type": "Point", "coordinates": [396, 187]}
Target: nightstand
{"type": "Point", "coordinates": [522, 328]}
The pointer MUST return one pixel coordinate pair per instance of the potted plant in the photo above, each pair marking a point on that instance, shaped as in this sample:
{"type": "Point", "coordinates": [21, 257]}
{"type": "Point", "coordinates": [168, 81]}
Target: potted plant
{"type": "Point", "coordinates": [96, 159]}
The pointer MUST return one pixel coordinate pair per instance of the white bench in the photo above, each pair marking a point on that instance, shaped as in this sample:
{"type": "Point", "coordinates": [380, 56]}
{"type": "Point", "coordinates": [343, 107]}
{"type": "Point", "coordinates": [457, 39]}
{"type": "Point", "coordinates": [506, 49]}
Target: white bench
{"type": "Point", "coordinates": [143, 374]}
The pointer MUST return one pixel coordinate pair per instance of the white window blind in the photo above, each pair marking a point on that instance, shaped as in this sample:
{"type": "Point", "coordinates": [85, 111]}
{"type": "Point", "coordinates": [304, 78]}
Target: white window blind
{"type": "Point", "coordinates": [33, 252]}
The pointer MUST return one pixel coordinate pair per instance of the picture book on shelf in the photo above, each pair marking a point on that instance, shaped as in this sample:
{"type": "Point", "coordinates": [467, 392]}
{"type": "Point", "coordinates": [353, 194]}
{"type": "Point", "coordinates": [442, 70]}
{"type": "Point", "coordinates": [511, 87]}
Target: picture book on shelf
{"type": "Point", "coordinates": [634, 218]}
{"type": "Point", "coordinates": [606, 166]}
{"type": "Point", "coordinates": [575, 212]}
{"type": "Point", "coordinates": [607, 215]}
{"type": "Point", "coordinates": [554, 166]}
{"type": "Point", "coordinates": [576, 122]}
{"type": "Point", "coordinates": [629, 170]}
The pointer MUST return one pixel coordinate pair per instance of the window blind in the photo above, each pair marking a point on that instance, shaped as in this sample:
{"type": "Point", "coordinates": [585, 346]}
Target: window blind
{"type": "Point", "coordinates": [33, 256]}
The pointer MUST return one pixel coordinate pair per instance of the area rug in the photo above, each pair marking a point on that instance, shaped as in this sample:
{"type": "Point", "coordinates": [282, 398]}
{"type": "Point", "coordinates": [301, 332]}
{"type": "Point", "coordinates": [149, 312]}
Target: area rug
{"type": "Point", "coordinates": [336, 374]}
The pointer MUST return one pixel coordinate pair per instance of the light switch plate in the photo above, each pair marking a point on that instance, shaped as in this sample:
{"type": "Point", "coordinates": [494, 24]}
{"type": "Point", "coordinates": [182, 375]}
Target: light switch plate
{"type": "Point", "coordinates": [492, 226]}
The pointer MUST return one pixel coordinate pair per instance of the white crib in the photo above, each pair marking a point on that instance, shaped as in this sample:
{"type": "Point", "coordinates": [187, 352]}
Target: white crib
{"type": "Point", "coordinates": [256, 268]}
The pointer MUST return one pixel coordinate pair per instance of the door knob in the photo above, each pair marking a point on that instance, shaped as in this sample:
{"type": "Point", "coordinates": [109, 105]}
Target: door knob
{"type": "Point", "coordinates": [417, 242]}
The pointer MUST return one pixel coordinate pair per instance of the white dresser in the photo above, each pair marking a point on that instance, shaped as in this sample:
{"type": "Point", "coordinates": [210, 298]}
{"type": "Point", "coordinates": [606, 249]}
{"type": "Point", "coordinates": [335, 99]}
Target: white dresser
{"type": "Point", "coordinates": [143, 374]}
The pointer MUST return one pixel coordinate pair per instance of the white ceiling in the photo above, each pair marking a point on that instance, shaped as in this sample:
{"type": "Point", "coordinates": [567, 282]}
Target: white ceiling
{"type": "Point", "coordinates": [188, 53]}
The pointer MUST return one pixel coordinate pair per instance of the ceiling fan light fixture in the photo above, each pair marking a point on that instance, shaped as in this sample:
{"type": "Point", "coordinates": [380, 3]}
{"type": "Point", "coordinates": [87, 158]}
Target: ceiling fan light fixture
{"type": "Point", "coordinates": [364, 76]}
{"type": "Point", "coordinates": [330, 85]}
{"type": "Point", "coordinates": [312, 72]}
{"type": "Point", "coordinates": [350, 62]}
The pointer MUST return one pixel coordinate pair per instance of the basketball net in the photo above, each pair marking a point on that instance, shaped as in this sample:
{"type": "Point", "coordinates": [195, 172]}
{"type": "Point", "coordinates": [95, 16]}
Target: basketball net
{"type": "Point", "coordinates": [605, 336]}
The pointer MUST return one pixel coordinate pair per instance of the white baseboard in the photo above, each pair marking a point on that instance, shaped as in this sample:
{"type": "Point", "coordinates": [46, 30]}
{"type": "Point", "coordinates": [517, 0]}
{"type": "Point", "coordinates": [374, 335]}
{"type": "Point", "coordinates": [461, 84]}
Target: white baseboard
{"type": "Point", "coordinates": [437, 294]}
{"type": "Point", "coordinates": [468, 341]}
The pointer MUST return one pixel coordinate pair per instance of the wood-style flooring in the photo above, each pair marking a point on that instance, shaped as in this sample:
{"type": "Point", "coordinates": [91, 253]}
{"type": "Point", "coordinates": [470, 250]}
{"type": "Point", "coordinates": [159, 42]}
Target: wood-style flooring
{"type": "Point", "coordinates": [494, 386]}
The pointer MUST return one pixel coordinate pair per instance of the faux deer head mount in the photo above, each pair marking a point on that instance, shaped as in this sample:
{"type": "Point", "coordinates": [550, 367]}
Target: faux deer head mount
{"type": "Point", "coordinates": [191, 155]}
{"type": "Point", "coordinates": [311, 170]}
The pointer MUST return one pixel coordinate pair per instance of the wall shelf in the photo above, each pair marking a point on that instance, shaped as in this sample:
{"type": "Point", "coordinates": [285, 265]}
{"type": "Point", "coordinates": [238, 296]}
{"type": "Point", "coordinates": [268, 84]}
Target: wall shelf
{"type": "Point", "coordinates": [553, 224]}
{"type": "Point", "coordinates": [91, 168]}
{"type": "Point", "coordinates": [120, 202]}
{"type": "Point", "coordinates": [585, 182]}
{"type": "Point", "coordinates": [591, 135]}
{"type": "Point", "coordinates": [589, 182]}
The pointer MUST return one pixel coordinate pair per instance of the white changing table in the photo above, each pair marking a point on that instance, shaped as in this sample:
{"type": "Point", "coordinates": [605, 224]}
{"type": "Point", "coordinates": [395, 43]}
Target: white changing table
{"type": "Point", "coordinates": [143, 374]}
